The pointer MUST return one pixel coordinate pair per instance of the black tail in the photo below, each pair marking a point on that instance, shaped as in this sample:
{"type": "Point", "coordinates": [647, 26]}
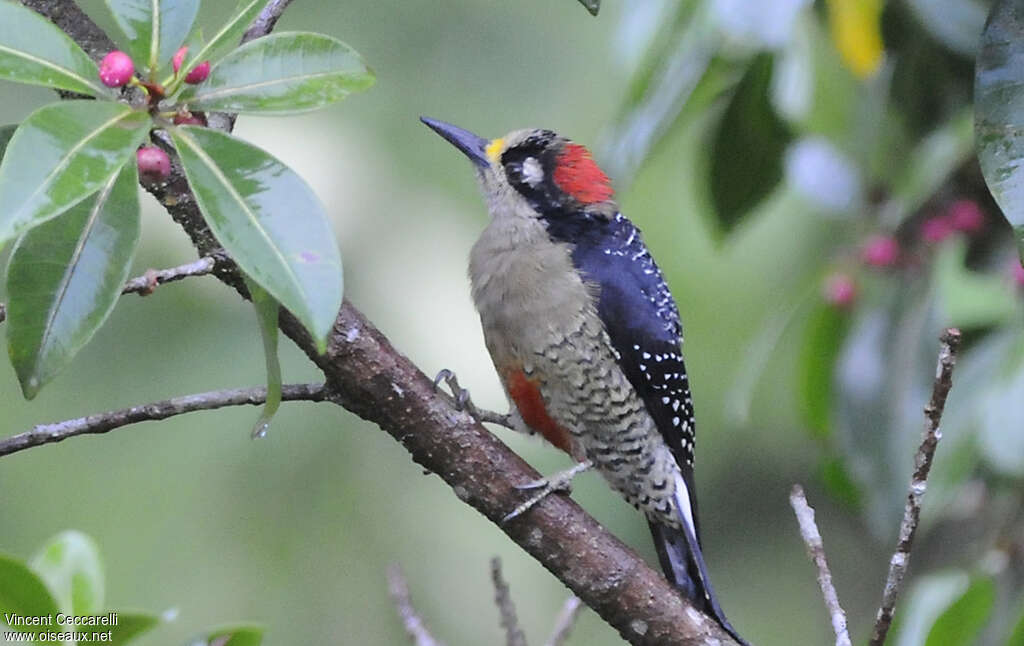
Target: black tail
{"type": "Point", "coordinates": [683, 565]}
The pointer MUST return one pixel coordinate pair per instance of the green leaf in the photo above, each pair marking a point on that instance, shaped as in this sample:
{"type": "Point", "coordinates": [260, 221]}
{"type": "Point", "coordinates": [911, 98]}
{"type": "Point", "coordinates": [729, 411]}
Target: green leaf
{"type": "Point", "coordinates": [282, 73]}
{"type": "Point", "coordinates": [962, 622]}
{"type": "Point", "coordinates": [154, 28]}
{"type": "Point", "coordinates": [836, 478]}
{"type": "Point", "coordinates": [929, 597]}
{"type": "Point", "coordinates": [266, 315]}
{"type": "Point", "coordinates": [61, 154]}
{"type": "Point", "coordinates": [34, 51]}
{"type": "Point", "coordinates": [130, 625]}
{"type": "Point", "coordinates": [231, 636]}
{"type": "Point", "coordinates": [220, 43]}
{"type": "Point", "coordinates": [999, 110]}
{"type": "Point", "coordinates": [70, 565]}
{"type": "Point", "coordinates": [269, 220]}
{"type": "Point", "coordinates": [971, 299]}
{"type": "Point", "coordinates": [593, 6]}
{"type": "Point", "coordinates": [746, 161]}
{"type": "Point", "coordinates": [24, 594]}
{"type": "Point", "coordinates": [65, 277]}
{"type": "Point", "coordinates": [826, 328]}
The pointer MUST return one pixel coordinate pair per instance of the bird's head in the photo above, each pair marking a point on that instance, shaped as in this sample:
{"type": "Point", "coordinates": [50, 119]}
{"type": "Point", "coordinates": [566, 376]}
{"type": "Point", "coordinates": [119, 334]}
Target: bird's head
{"type": "Point", "coordinates": [533, 173]}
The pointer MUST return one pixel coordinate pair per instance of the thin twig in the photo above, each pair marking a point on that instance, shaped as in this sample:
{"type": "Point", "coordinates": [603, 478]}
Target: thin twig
{"type": "Point", "coordinates": [110, 420]}
{"type": "Point", "coordinates": [149, 281]}
{"type": "Point", "coordinates": [398, 587]}
{"type": "Point", "coordinates": [922, 465]}
{"type": "Point", "coordinates": [566, 621]}
{"type": "Point", "coordinates": [816, 550]}
{"type": "Point", "coordinates": [509, 621]}
{"type": "Point", "coordinates": [145, 284]}
{"type": "Point", "coordinates": [265, 22]}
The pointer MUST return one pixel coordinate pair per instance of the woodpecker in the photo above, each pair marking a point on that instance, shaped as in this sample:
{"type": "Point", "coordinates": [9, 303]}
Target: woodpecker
{"type": "Point", "coordinates": [585, 335]}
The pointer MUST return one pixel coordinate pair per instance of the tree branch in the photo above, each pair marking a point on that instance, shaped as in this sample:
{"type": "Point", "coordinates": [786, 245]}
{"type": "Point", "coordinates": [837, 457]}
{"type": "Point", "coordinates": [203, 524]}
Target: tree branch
{"type": "Point", "coordinates": [506, 608]}
{"type": "Point", "coordinates": [108, 421]}
{"type": "Point", "coordinates": [398, 587]}
{"type": "Point", "coordinates": [266, 21]}
{"type": "Point", "coordinates": [918, 484]}
{"type": "Point", "coordinates": [147, 283]}
{"type": "Point", "coordinates": [366, 375]}
{"type": "Point", "coordinates": [816, 550]}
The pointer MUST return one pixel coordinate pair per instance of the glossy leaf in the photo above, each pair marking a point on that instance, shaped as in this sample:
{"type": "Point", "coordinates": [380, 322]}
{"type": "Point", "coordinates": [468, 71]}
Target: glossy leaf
{"type": "Point", "coordinates": [826, 329]}
{"type": "Point", "coordinates": [225, 39]}
{"type": "Point", "coordinates": [266, 314]}
{"type": "Point", "coordinates": [154, 28]}
{"type": "Point", "coordinates": [961, 623]}
{"type": "Point", "coordinates": [70, 565]}
{"type": "Point", "coordinates": [270, 221]}
{"type": "Point", "coordinates": [999, 110]}
{"type": "Point", "coordinates": [24, 594]}
{"type": "Point", "coordinates": [130, 625]}
{"type": "Point", "coordinates": [61, 154]}
{"type": "Point", "coordinates": [233, 636]}
{"type": "Point", "coordinates": [281, 73]}
{"type": "Point", "coordinates": [33, 50]}
{"type": "Point", "coordinates": [65, 277]}
{"type": "Point", "coordinates": [746, 162]}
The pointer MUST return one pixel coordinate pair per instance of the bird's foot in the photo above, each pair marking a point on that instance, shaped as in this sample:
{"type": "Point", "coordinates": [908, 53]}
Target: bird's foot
{"type": "Point", "coordinates": [558, 482]}
{"type": "Point", "coordinates": [464, 402]}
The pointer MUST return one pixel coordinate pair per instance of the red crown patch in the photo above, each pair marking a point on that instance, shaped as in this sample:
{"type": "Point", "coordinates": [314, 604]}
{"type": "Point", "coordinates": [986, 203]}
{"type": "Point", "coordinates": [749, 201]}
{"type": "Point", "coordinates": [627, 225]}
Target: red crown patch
{"type": "Point", "coordinates": [578, 175]}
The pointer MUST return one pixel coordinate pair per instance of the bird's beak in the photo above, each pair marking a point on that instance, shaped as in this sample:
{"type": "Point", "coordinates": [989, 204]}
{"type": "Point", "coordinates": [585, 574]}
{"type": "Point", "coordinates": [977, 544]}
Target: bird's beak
{"type": "Point", "coordinates": [471, 145]}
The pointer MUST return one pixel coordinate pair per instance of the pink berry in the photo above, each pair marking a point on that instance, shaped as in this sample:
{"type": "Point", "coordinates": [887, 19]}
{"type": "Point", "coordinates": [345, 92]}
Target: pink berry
{"type": "Point", "coordinates": [116, 69]}
{"type": "Point", "coordinates": [198, 73]}
{"type": "Point", "coordinates": [966, 216]}
{"type": "Point", "coordinates": [880, 251]}
{"type": "Point", "coordinates": [154, 164]}
{"type": "Point", "coordinates": [1018, 272]}
{"type": "Point", "coordinates": [179, 58]}
{"type": "Point", "coordinates": [936, 229]}
{"type": "Point", "coordinates": [840, 291]}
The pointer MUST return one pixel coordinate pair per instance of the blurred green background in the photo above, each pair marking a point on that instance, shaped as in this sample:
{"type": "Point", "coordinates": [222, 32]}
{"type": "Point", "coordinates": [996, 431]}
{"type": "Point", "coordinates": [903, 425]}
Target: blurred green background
{"type": "Point", "coordinates": [295, 531]}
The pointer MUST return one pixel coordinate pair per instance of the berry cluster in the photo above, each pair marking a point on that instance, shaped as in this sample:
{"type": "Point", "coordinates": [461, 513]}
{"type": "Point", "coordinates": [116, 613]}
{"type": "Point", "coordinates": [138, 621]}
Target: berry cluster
{"type": "Point", "coordinates": [117, 70]}
{"type": "Point", "coordinates": [884, 251]}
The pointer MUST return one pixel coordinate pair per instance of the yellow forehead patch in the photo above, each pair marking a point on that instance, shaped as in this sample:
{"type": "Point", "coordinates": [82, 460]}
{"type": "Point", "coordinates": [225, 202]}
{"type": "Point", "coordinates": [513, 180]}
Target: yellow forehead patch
{"type": "Point", "coordinates": [495, 148]}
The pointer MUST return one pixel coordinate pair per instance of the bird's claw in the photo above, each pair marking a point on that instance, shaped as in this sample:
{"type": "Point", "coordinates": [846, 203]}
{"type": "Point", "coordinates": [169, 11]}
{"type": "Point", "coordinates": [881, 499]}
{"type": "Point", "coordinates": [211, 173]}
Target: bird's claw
{"type": "Point", "coordinates": [464, 402]}
{"type": "Point", "coordinates": [560, 482]}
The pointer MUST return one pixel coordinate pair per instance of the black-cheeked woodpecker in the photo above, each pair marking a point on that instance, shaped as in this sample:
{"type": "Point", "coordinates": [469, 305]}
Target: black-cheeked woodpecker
{"type": "Point", "coordinates": [585, 335]}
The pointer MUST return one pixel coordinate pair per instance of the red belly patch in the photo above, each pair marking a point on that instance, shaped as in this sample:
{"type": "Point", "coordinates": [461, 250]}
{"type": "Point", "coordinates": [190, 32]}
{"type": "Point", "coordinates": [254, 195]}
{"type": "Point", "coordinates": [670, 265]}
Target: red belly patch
{"type": "Point", "coordinates": [526, 394]}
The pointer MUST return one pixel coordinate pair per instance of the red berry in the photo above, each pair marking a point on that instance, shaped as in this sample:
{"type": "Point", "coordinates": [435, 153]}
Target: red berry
{"type": "Point", "coordinates": [179, 58]}
{"type": "Point", "coordinates": [1018, 272]}
{"type": "Point", "coordinates": [966, 216]}
{"type": "Point", "coordinates": [936, 229]}
{"type": "Point", "coordinates": [840, 291]}
{"type": "Point", "coordinates": [154, 164]}
{"type": "Point", "coordinates": [116, 69]}
{"type": "Point", "coordinates": [880, 251]}
{"type": "Point", "coordinates": [198, 73]}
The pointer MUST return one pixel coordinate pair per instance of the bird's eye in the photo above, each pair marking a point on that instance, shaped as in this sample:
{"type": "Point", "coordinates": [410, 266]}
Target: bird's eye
{"type": "Point", "coordinates": [529, 172]}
